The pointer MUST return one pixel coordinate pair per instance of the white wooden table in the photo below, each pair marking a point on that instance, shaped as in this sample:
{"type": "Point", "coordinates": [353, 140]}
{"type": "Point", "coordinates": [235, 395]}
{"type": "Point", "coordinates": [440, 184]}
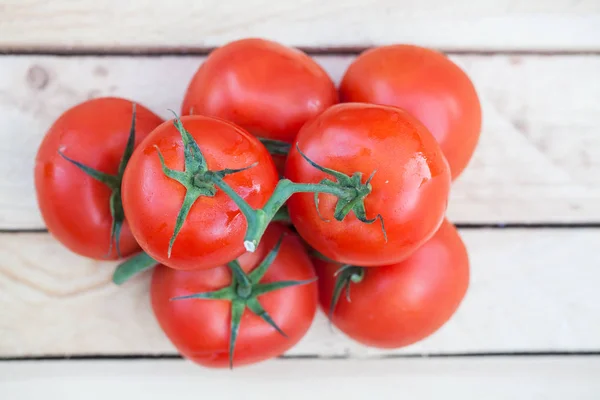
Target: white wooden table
{"type": "Point", "coordinates": [528, 206]}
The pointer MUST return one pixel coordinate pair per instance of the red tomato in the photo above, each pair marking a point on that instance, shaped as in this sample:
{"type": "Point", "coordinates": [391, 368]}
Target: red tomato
{"type": "Point", "coordinates": [426, 84]}
{"type": "Point", "coordinates": [410, 184]}
{"type": "Point", "coordinates": [200, 328]}
{"type": "Point", "coordinates": [213, 231]}
{"type": "Point", "coordinates": [75, 206]}
{"type": "Point", "coordinates": [266, 88]}
{"type": "Point", "coordinates": [400, 304]}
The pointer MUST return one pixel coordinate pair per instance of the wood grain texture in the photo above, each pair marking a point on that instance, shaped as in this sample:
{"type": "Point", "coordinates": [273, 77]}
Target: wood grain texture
{"type": "Point", "coordinates": [537, 160]}
{"type": "Point", "coordinates": [154, 24]}
{"type": "Point", "coordinates": [530, 291]}
{"type": "Point", "coordinates": [483, 378]}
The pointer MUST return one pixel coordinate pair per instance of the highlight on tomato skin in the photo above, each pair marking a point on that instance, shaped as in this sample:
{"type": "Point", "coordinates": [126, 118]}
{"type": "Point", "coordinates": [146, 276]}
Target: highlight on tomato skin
{"type": "Point", "coordinates": [200, 328]}
{"type": "Point", "coordinates": [400, 304]}
{"type": "Point", "coordinates": [402, 169]}
{"type": "Point", "coordinates": [267, 88]}
{"type": "Point", "coordinates": [75, 206]}
{"type": "Point", "coordinates": [211, 230]}
{"type": "Point", "coordinates": [427, 84]}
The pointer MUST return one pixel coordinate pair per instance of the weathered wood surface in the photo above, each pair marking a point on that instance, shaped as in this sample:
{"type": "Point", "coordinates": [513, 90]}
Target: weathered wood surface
{"type": "Point", "coordinates": [547, 378]}
{"type": "Point", "coordinates": [531, 290]}
{"type": "Point", "coordinates": [114, 25]}
{"type": "Point", "coordinates": [538, 159]}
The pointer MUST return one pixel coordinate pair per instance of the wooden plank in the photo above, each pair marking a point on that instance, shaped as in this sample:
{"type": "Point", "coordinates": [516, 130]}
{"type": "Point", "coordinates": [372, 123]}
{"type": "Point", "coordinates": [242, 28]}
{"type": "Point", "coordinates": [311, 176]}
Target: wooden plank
{"type": "Point", "coordinates": [531, 290]}
{"type": "Point", "coordinates": [155, 24]}
{"type": "Point", "coordinates": [537, 160]}
{"type": "Point", "coordinates": [486, 378]}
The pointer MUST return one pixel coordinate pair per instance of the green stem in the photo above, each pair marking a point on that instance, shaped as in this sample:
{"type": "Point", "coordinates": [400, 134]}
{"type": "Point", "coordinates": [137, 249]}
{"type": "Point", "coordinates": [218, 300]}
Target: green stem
{"type": "Point", "coordinates": [259, 219]}
{"type": "Point", "coordinates": [245, 208]}
{"type": "Point", "coordinates": [133, 266]}
{"type": "Point", "coordinates": [244, 285]}
{"type": "Point", "coordinates": [200, 181]}
{"type": "Point", "coordinates": [283, 191]}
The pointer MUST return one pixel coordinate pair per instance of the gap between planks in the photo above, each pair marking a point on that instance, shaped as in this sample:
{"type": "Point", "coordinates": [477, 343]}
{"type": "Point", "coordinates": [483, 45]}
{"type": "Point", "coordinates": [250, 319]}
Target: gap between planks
{"type": "Point", "coordinates": [138, 357]}
{"type": "Point", "coordinates": [312, 51]}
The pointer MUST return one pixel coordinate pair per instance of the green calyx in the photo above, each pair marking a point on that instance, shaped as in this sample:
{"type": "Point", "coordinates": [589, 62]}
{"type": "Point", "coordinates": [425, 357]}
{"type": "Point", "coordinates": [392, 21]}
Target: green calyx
{"type": "Point", "coordinates": [196, 177]}
{"type": "Point", "coordinates": [114, 184]}
{"type": "Point", "coordinates": [345, 276]}
{"type": "Point", "coordinates": [243, 292]}
{"type": "Point", "coordinates": [200, 181]}
{"type": "Point", "coordinates": [133, 266]}
{"type": "Point", "coordinates": [355, 193]}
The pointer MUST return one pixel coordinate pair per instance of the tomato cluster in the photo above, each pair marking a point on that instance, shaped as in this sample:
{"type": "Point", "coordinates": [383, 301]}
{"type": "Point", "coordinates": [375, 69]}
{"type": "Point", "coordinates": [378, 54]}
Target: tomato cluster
{"type": "Point", "coordinates": [268, 196]}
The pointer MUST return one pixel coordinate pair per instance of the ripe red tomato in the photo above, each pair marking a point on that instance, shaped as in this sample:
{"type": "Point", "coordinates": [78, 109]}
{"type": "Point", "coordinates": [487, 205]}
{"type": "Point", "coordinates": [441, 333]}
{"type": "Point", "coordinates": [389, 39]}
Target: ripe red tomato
{"type": "Point", "coordinates": [200, 328]}
{"type": "Point", "coordinates": [266, 88]}
{"type": "Point", "coordinates": [429, 86]}
{"type": "Point", "coordinates": [75, 206]}
{"type": "Point", "coordinates": [213, 231]}
{"type": "Point", "coordinates": [409, 186]}
{"type": "Point", "coordinates": [400, 304]}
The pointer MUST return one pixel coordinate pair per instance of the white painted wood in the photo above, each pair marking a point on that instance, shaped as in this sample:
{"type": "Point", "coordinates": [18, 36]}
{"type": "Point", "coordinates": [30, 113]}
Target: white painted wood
{"type": "Point", "coordinates": [531, 290]}
{"type": "Point", "coordinates": [156, 24]}
{"type": "Point", "coordinates": [537, 159]}
{"type": "Point", "coordinates": [419, 379]}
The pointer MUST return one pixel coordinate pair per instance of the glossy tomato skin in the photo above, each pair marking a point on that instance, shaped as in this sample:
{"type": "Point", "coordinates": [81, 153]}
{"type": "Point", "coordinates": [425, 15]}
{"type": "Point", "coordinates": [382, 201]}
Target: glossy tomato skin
{"type": "Point", "coordinates": [427, 84]}
{"type": "Point", "coordinates": [266, 88]}
{"type": "Point", "coordinates": [400, 304]}
{"type": "Point", "coordinates": [409, 189]}
{"type": "Point", "coordinates": [75, 207]}
{"type": "Point", "coordinates": [200, 328]}
{"type": "Point", "coordinates": [214, 229]}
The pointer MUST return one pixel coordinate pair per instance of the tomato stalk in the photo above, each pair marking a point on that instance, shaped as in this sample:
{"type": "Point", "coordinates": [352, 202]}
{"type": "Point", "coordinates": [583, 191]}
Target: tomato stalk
{"type": "Point", "coordinates": [114, 184]}
{"type": "Point", "coordinates": [200, 181]}
{"type": "Point", "coordinates": [349, 190]}
{"type": "Point", "coordinates": [243, 292]}
{"type": "Point", "coordinates": [259, 219]}
{"type": "Point", "coordinates": [133, 266]}
{"type": "Point", "coordinates": [244, 286]}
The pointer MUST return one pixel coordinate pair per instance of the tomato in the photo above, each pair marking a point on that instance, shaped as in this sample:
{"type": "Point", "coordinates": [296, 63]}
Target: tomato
{"type": "Point", "coordinates": [428, 85]}
{"type": "Point", "coordinates": [74, 205]}
{"type": "Point", "coordinates": [201, 328]}
{"type": "Point", "coordinates": [213, 231]}
{"type": "Point", "coordinates": [266, 88]}
{"type": "Point", "coordinates": [409, 187]}
{"type": "Point", "coordinates": [400, 304]}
